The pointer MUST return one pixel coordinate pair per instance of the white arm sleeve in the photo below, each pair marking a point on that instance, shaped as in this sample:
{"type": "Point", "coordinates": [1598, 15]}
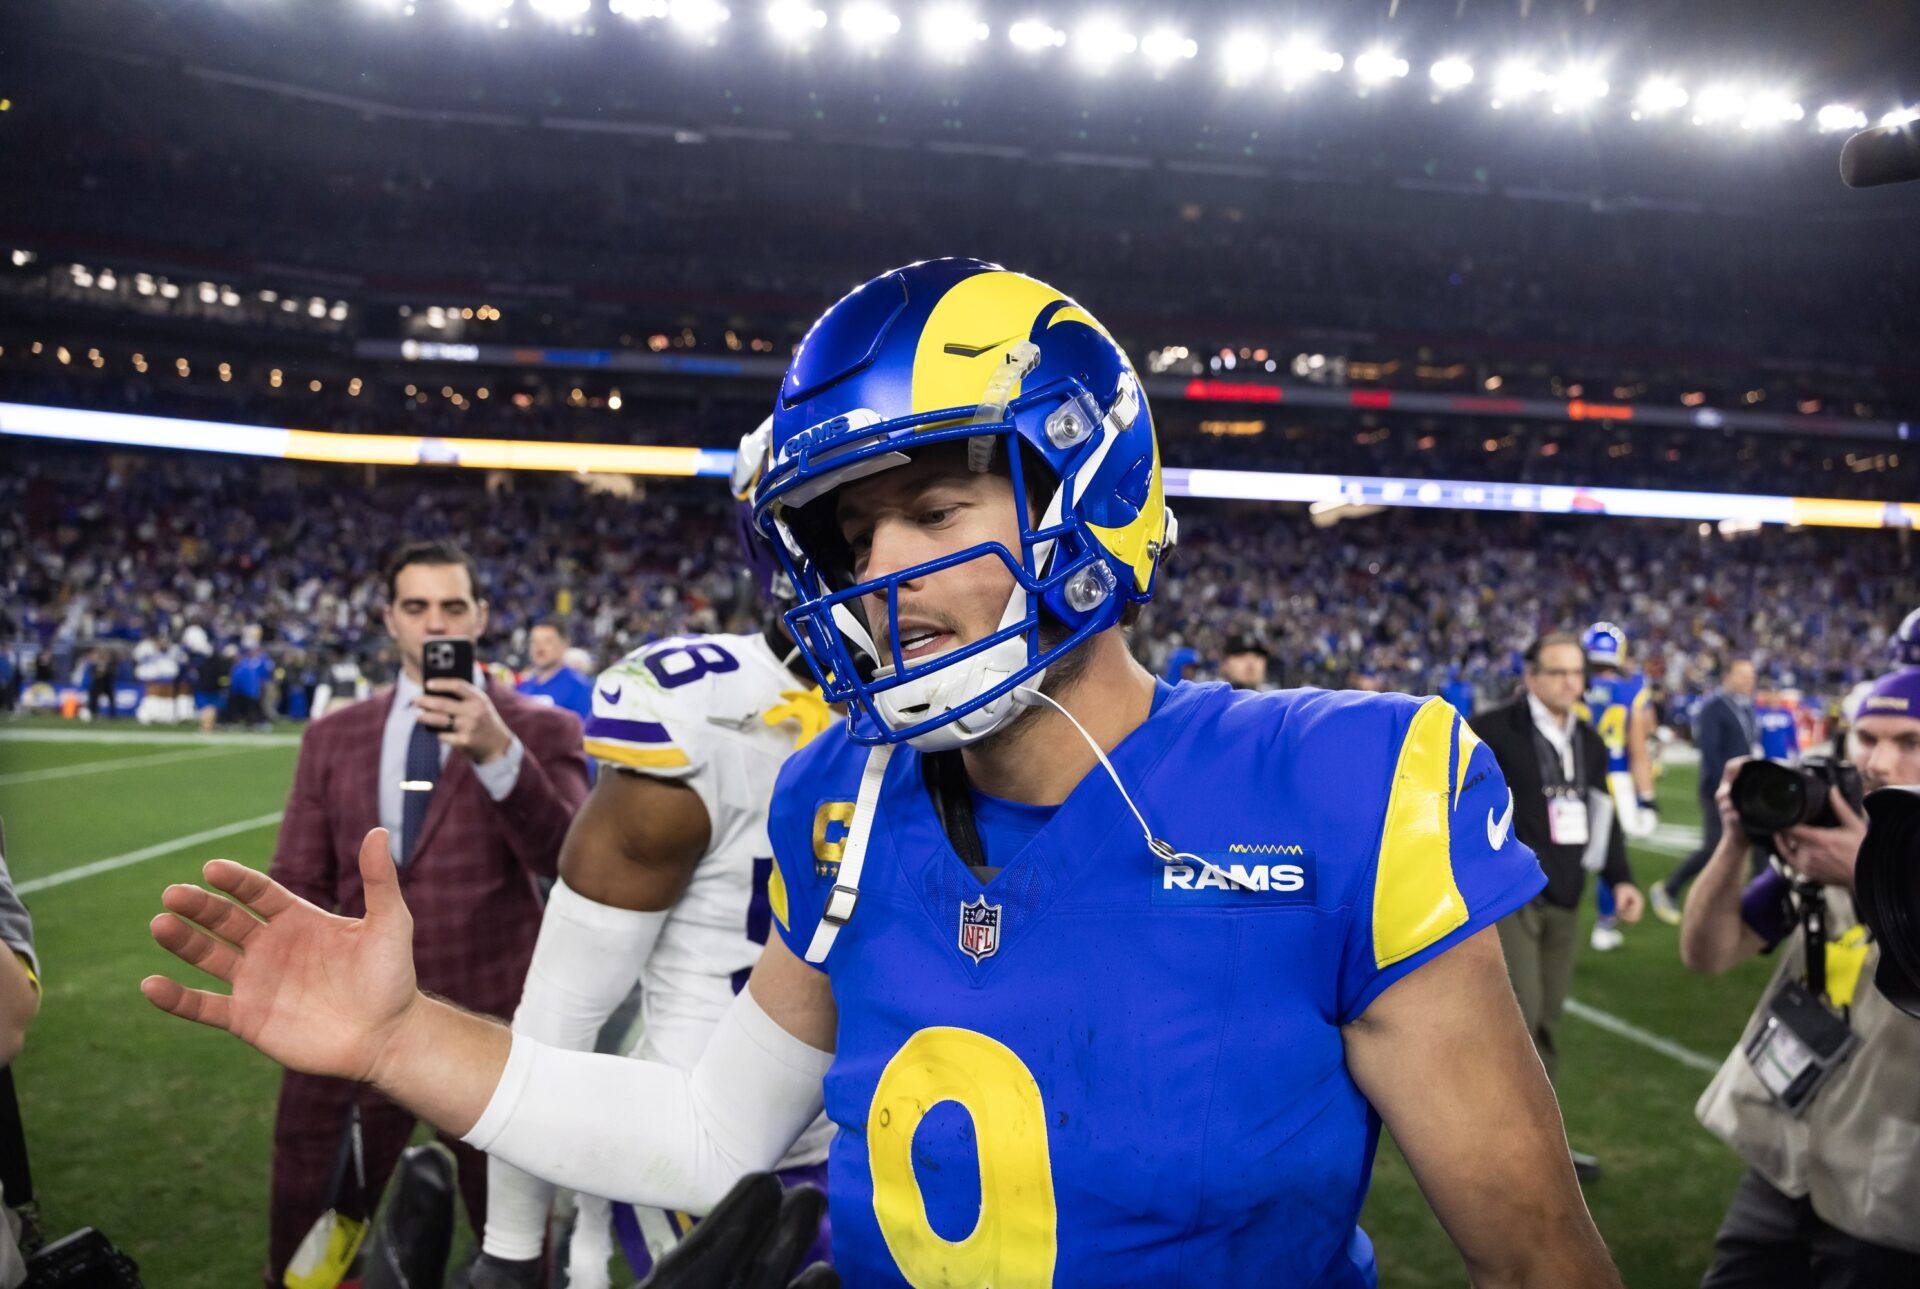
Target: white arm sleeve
{"type": "Point", "coordinates": [586, 961]}
{"type": "Point", "coordinates": [651, 1134]}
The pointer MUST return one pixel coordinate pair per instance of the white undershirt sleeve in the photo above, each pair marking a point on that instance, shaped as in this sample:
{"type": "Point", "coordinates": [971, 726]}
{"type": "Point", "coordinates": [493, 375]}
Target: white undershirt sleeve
{"type": "Point", "coordinates": [587, 960]}
{"type": "Point", "coordinates": [651, 1134]}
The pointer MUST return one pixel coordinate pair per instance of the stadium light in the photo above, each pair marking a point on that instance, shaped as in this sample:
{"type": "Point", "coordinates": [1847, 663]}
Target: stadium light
{"type": "Point", "coordinates": [868, 24]}
{"type": "Point", "coordinates": [483, 10]}
{"type": "Point", "coordinates": [795, 20]}
{"type": "Point", "coordinates": [1835, 117]}
{"type": "Point", "coordinates": [1765, 111]}
{"type": "Point", "coordinates": [1516, 81]}
{"type": "Point", "coordinates": [1451, 74]}
{"type": "Point", "coordinates": [1032, 35]}
{"type": "Point", "coordinates": [1378, 65]}
{"type": "Point", "coordinates": [949, 30]}
{"type": "Point", "coordinates": [560, 10]}
{"type": "Point", "coordinates": [1901, 116]}
{"type": "Point", "coordinates": [1101, 42]}
{"type": "Point", "coordinates": [1301, 59]}
{"type": "Point", "coordinates": [1719, 104]}
{"type": "Point", "coordinates": [697, 17]}
{"type": "Point", "coordinates": [1164, 46]}
{"type": "Point", "coordinates": [1659, 96]}
{"type": "Point", "coordinates": [1578, 87]}
{"type": "Point", "coordinates": [1243, 55]}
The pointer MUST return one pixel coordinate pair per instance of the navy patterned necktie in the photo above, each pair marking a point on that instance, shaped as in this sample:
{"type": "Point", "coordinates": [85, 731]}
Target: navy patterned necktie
{"type": "Point", "coordinates": [416, 792]}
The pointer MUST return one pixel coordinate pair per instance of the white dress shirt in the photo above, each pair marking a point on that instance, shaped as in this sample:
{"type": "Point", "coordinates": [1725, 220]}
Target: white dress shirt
{"type": "Point", "coordinates": [1558, 733]}
{"type": "Point", "coordinates": [496, 776]}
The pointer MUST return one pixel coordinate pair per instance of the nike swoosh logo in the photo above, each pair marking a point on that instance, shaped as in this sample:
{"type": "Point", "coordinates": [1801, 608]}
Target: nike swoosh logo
{"type": "Point", "coordinates": [611, 695]}
{"type": "Point", "coordinates": [1497, 832]}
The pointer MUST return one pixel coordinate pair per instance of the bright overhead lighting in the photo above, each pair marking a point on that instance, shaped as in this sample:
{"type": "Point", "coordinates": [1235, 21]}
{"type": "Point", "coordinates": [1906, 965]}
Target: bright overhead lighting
{"type": "Point", "coordinates": [1243, 56]}
{"type": "Point", "coordinates": [795, 20]}
{"type": "Point", "coordinates": [1719, 103]}
{"type": "Point", "coordinates": [1377, 66]}
{"type": "Point", "coordinates": [1767, 110]}
{"type": "Point", "coordinates": [948, 29]}
{"type": "Point", "coordinates": [697, 17]}
{"type": "Point", "coordinates": [1301, 59]}
{"type": "Point", "coordinates": [1516, 81]}
{"type": "Point", "coordinates": [1840, 116]}
{"type": "Point", "coordinates": [1451, 73]}
{"type": "Point", "coordinates": [1100, 42]}
{"type": "Point", "coordinates": [483, 9]}
{"type": "Point", "coordinates": [1032, 34]}
{"type": "Point", "coordinates": [1577, 87]}
{"type": "Point", "coordinates": [868, 24]}
{"type": "Point", "coordinates": [560, 10]}
{"type": "Point", "coordinates": [1659, 96]}
{"type": "Point", "coordinates": [1901, 116]}
{"type": "Point", "coordinates": [1164, 46]}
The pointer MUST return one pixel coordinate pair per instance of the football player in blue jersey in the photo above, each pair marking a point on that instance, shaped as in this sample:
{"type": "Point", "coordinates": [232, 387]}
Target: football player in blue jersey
{"type": "Point", "coordinates": [1104, 980]}
{"type": "Point", "coordinates": [1620, 710]}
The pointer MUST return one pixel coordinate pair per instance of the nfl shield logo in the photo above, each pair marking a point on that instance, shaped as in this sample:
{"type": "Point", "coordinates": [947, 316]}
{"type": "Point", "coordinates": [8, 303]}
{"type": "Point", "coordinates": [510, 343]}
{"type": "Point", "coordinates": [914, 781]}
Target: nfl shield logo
{"type": "Point", "coordinates": [980, 929]}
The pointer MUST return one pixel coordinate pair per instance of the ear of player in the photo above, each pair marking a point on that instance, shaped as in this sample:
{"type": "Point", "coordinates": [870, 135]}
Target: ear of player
{"type": "Point", "coordinates": [941, 351]}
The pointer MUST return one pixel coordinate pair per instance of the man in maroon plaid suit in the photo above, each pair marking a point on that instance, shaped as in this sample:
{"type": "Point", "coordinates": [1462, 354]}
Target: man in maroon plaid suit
{"type": "Point", "coordinates": [479, 785]}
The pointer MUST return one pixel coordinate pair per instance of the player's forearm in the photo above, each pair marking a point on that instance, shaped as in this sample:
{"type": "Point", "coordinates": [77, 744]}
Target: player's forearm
{"type": "Point", "coordinates": [444, 1063]}
{"type": "Point", "coordinates": [19, 1000]}
{"type": "Point", "coordinates": [1567, 1254]}
{"type": "Point", "coordinates": [1713, 938]}
{"type": "Point", "coordinates": [649, 1133]}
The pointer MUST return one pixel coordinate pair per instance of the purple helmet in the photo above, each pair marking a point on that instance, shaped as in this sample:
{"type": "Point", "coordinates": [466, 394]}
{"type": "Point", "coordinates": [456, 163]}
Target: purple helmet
{"type": "Point", "coordinates": [756, 548]}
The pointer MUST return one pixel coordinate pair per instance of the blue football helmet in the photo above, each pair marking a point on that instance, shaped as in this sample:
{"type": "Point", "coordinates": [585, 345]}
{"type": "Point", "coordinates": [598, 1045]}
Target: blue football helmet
{"type": "Point", "coordinates": [1605, 645]}
{"type": "Point", "coordinates": [961, 350]}
{"type": "Point", "coordinates": [1904, 648]}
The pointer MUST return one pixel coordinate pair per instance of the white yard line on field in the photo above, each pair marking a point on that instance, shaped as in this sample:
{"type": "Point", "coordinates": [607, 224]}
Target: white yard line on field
{"type": "Point", "coordinates": [99, 866]}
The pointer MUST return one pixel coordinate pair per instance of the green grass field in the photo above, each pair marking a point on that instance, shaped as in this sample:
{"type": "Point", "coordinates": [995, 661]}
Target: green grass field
{"type": "Point", "coordinates": [159, 1132]}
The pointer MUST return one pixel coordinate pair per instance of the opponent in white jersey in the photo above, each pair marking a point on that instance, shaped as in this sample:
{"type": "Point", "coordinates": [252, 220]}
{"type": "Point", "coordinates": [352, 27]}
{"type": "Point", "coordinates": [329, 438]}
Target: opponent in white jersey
{"type": "Point", "coordinates": [663, 881]}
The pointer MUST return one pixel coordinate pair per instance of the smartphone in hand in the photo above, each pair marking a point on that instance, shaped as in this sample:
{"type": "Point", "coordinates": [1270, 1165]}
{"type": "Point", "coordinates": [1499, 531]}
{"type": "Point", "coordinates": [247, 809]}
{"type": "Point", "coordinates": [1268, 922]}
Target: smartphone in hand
{"type": "Point", "coordinates": [447, 657]}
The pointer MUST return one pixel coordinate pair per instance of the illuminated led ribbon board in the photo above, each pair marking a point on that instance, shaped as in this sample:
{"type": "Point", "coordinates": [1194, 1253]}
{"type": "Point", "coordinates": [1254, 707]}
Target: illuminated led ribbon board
{"type": "Point", "coordinates": [1325, 490]}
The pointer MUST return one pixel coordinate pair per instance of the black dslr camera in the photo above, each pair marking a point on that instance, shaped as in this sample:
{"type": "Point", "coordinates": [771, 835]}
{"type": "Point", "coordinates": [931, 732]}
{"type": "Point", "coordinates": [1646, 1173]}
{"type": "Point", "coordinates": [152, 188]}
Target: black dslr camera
{"type": "Point", "coordinates": [1886, 887]}
{"type": "Point", "coordinates": [1771, 795]}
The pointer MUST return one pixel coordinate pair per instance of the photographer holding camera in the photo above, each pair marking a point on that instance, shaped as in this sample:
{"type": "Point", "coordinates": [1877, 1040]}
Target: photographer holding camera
{"type": "Point", "coordinates": [1821, 1097]}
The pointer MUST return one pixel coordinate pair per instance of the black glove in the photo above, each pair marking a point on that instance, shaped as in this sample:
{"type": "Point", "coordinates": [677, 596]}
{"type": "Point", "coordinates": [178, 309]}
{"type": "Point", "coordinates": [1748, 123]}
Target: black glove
{"type": "Point", "coordinates": [754, 1239]}
{"type": "Point", "coordinates": [489, 1272]}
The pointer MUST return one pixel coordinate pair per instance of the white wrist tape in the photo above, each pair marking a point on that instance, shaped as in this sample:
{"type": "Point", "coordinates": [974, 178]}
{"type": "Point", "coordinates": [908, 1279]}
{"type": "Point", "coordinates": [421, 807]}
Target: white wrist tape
{"type": "Point", "coordinates": [651, 1134]}
{"type": "Point", "coordinates": [587, 960]}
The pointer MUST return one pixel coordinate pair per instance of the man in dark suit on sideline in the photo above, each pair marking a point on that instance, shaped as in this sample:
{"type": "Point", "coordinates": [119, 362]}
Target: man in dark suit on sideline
{"type": "Point", "coordinates": [1556, 769]}
{"type": "Point", "coordinates": [1724, 727]}
{"type": "Point", "coordinates": [476, 786]}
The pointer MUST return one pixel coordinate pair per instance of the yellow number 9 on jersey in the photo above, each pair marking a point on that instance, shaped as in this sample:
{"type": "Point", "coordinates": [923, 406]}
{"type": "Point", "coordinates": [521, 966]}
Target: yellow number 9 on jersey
{"type": "Point", "coordinates": [1013, 1244]}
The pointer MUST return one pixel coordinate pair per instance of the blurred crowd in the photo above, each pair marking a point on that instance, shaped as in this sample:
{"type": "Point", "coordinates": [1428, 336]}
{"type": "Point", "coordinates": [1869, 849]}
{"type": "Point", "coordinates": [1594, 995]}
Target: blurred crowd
{"type": "Point", "coordinates": [232, 561]}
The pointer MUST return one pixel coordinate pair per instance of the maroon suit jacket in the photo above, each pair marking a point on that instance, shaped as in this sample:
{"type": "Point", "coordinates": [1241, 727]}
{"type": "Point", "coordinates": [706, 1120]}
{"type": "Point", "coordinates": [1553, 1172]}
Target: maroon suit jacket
{"type": "Point", "coordinates": [470, 883]}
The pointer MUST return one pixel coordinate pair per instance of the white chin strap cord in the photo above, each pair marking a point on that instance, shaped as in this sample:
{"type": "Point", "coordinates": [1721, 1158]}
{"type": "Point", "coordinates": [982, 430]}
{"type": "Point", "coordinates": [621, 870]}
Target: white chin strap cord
{"type": "Point", "coordinates": [846, 888]}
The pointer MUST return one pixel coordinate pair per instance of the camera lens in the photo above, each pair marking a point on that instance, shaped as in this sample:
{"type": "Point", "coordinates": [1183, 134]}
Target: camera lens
{"type": "Point", "coordinates": [1769, 797]}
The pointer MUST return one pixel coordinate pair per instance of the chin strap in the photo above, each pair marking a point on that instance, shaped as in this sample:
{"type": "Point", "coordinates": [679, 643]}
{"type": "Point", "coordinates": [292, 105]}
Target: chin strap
{"type": "Point", "coordinates": [1162, 849]}
{"type": "Point", "coordinates": [846, 888]}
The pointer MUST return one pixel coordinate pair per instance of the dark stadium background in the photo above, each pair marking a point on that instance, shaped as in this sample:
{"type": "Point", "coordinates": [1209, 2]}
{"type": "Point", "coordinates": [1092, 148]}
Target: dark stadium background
{"type": "Point", "coordinates": [304, 212]}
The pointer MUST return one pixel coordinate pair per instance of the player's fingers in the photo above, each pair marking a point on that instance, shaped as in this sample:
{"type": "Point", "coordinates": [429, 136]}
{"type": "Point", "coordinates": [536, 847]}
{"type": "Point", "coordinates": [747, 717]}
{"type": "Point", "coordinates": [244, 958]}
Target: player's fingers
{"type": "Point", "coordinates": [222, 917]}
{"type": "Point", "coordinates": [190, 944]}
{"type": "Point", "coordinates": [192, 1004]}
{"type": "Point", "coordinates": [250, 886]}
{"type": "Point", "coordinates": [379, 879]}
{"type": "Point", "coordinates": [793, 1233]}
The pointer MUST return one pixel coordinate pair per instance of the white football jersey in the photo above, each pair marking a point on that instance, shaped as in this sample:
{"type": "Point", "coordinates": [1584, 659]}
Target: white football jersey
{"type": "Point", "coordinates": [719, 713]}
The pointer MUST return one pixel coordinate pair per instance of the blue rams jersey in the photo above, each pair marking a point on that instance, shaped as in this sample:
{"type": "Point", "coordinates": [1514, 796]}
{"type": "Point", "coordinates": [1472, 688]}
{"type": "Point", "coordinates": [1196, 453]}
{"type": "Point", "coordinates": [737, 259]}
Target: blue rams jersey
{"type": "Point", "coordinates": [1609, 707]}
{"type": "Point", "coordinates": [1779, 732]}
{"type": "Point", "coordinates": [1099, 1069]}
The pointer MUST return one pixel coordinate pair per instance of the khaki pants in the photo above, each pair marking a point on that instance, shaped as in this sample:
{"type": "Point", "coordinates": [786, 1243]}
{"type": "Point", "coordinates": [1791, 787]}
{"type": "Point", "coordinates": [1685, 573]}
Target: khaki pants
{"type": "Point", "coordinates": [1539, 939]}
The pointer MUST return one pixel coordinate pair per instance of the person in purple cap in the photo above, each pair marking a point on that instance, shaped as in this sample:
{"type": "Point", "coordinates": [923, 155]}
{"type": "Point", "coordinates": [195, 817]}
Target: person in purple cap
{"type": "Point", "coordinates": [1821, 1097]}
